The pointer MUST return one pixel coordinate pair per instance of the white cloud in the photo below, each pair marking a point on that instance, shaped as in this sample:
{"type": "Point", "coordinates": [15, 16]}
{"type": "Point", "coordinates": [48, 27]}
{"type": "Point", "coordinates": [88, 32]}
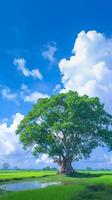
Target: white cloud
{"type": "Point", "coordinates": [49, 52]}
{"type": "Point", "coordinates": [34, 97]}
{"type": "Point", "coordinates": [57, 88]}
{"type": "Point", "coordinates": [24, 88]}
{"type": "Point", "coordinates": [7, 94]}
{"type": "Point", "coordinates": [9, 142]}
{"type": "Point", "coordinates": [11, 149]}
{"type": "Point", "coordinates": [21, 65]}
{"type": "Point", "coordinates": [89, 69]}
{"type": "Point", "coordinates": [44, 159]}
{"type": "Point", "coordinates": [27, 96]}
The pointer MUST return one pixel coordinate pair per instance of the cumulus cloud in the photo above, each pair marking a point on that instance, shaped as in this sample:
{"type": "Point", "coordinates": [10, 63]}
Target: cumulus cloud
{"type": "Point", "coordinates": [11, 149]}
{"type": "Point", "coordinates": [7, 94]}
{"type": "Point", "coordinates": [33, 97]}
{"type": "Point", "coordinates": [89, 69]}
{"type": "Point", "coordinates": [21, 65]}
{"type": "Point", "coordinates": [49, 52]}
{"type": "Point", "coordinates": [9, 142]}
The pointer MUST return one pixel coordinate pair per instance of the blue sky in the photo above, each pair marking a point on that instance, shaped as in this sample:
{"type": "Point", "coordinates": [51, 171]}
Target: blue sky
{"type": "Point", "coordinates": [47, 47]}
{"type": "Point", "coordinates": [28, 26]}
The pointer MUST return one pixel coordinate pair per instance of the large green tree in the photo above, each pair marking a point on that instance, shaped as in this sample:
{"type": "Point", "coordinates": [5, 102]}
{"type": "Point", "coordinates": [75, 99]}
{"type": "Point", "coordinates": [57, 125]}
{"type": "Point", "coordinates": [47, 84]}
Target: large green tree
{"type": "Point", "coordinates": [67, 127]}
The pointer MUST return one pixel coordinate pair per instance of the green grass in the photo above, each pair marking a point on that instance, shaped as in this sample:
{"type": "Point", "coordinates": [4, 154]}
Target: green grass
{"type": "Point", "coordinates": [66, 192]}
{"type": "Point", "coordinates": [92, 185]}
{"type": "Point", "coordinates": [18, 175]}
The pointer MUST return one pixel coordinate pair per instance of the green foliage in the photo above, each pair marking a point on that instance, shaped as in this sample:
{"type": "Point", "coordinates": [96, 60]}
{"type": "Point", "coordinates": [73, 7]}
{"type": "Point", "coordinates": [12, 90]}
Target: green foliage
{"type": "Point", "coordinates": [66, 126]}
{"type": "Point", "coordinates": [48, 168]}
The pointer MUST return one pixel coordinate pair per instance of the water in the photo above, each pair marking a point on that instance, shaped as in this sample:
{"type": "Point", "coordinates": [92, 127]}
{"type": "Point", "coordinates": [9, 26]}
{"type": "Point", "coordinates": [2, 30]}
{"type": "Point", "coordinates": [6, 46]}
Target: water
{"type": "Point", "coordinates": [28, 185]}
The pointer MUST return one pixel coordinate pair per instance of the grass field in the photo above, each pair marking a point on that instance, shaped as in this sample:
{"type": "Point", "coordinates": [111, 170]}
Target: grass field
{"type": "Point", "coordinates": [16, 175]}
{"type": "Point", "coordinates": [91, 185]}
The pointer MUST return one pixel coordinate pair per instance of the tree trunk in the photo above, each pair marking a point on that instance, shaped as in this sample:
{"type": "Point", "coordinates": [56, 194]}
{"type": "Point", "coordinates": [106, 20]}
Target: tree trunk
{"type": "Point", "coordinates": [65, 167]}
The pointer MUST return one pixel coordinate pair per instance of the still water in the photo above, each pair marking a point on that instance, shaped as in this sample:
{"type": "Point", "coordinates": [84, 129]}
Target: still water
{"type": "Point", "coordinates": [28, 185]}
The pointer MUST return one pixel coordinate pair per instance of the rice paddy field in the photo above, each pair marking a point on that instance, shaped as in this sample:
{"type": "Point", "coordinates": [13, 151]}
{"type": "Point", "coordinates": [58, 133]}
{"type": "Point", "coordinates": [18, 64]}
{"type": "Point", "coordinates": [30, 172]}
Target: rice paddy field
{"type": "Point", "coordinates": [19, 174]}
{"type": "Point", "coordinates": [85, 185]}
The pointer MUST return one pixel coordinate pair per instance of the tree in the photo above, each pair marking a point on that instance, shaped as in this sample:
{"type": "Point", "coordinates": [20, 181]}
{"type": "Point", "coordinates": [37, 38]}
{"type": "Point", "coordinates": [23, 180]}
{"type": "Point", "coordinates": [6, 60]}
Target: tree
{"type": "Point", "coordinates": [48, 168]}
{"type": "Point", "coordinates": [16, 168]}
{"type": "Point", "coordinates": [67, 127]}
{"type": "Point", "coordinates": [88, 168]}
{"type": "Point", "coordinates": [5, 166]}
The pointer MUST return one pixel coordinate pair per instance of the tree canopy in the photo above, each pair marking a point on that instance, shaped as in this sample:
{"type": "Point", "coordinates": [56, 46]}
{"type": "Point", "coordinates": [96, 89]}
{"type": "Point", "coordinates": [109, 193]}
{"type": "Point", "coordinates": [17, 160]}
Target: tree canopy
{"type": "Point", "coordinates": [67, 127]}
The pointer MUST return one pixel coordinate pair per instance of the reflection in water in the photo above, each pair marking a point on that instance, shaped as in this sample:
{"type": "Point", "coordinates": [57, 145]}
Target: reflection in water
{"type": "Point", "coordinates": [28, 185]}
